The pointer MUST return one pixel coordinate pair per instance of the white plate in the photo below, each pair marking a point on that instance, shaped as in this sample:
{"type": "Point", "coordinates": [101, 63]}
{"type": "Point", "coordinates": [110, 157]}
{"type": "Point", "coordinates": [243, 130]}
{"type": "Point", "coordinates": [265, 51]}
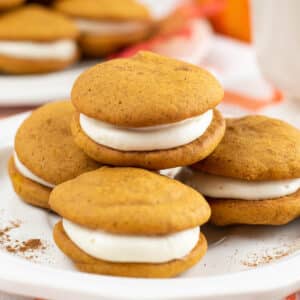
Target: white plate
{"type": "Point", "coordinates": [224, 273]}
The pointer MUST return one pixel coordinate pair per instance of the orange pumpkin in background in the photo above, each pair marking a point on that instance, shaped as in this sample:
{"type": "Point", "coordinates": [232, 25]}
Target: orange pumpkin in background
{"type": "Point", "coordinates": [233, 20]}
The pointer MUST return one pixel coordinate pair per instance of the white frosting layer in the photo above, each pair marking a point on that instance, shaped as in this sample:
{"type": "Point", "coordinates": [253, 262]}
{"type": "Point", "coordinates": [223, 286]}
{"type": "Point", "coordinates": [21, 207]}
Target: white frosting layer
{"type": "Point", "coordinates": [225, 187]}
{"type": "Point", "coordinates": [127, 248]}
{"type": "Point", "coordinates": [146, 138]}
{"type": "Point", "coordinates": [62, 50]}
{"type": "Point", "coordinates": [109, 28]}
{"type": "Point", "coordinates": [28, 174]}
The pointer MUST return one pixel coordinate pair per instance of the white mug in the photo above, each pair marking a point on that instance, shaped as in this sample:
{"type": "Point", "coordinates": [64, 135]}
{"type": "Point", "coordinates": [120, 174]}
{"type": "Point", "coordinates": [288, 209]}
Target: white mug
{"type": "Point", "coordinates": [276, 32]}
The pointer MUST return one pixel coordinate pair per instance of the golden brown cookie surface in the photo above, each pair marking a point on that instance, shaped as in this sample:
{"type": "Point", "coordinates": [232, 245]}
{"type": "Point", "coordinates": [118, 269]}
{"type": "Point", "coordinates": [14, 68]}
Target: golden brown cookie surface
{"type": "Point", "coordinates": [129, 201]}
{"type": "Point", "coordinates": [44, 144]}
{"type": "Point", "coordinates": [256, 148]}
{"type": "Point", "coordinates": [30, 191]}
{"type": "Point", "coordinates": [277, 211]}
{"type": "Point", "coordinates": [86, 263]}
{"type": "Point", "coordinates": [7, 4]}
{"type": "Point", "coordinates": [145, 90]}
{"type": "Point", "coordinates": [160, 159]}
{"type": "Point", "coordinates": [118, 10]}
{"type": "Point", "coordinates": [36, 23]}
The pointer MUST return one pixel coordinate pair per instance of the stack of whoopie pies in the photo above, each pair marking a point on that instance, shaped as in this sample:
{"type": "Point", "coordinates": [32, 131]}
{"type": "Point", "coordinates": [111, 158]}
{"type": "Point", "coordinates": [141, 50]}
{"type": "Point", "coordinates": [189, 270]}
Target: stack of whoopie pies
{"type": "Point", "coordinates": [148, 112]}
{"type": "Point", "coordinates": [95, 162]}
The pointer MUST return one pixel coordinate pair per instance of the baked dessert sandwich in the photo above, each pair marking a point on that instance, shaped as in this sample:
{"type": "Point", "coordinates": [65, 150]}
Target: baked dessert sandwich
{"type": "Point", "coordinates": [129, 222]}
{"type": "Point", "coordinates": [147, 111]}
{"type": "Point", "coordinates": [45, 154]}
{"type": "Point", "coordinates": [253, 176]}
{"type": "Point", "coordinates": [34, 39]}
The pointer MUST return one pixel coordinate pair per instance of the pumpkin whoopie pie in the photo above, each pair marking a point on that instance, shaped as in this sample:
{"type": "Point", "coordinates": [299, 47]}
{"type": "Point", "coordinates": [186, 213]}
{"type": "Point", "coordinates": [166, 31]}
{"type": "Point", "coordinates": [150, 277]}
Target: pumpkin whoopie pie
{"type": "Point", "coordinates": [45, 154]}
{"type": "Point", "coordinates": [147, 111]}
{"type": "Point", "coordinates": [129, 222]}
{"type": "Point", "coordinates": [8, 4]}
{"type": "Point", "coordinates": [34, 39]}
{"type": "Point", "coordinates": [107, 25]}
{"type": "Point", "coordinates": [253, 176]}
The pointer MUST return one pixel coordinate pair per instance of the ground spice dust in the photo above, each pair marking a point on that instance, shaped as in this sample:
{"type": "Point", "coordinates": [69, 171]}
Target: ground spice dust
{"type": "Point", "coordinates": [4, 233]}
{"type": "Point", "coordinates": [12, 225]}
{"type": "Point", "coordinates": [29, 245]}
{"type": "Point", "coordinates": [270, 255]}
{"type": "Point", "coordinates": [26, 249]}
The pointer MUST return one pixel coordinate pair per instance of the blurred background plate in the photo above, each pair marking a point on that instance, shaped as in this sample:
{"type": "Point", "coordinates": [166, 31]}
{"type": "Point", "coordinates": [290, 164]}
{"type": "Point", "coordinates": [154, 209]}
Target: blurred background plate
{"type": "Point", "coordinates": [38, 89]}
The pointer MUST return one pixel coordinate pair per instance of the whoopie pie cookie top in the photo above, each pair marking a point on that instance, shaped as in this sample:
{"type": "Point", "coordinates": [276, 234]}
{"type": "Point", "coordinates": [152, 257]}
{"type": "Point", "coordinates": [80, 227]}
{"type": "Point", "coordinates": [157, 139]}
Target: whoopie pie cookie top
{"type": "Point", "coordinates": [256, 148]}
{"type": "Point", "coordinates": [145, 90]}
{"type": "Point", "coordinates": [36, 23]}
{"type": "Point", "coordinates": [44, 144]}
{"type": "Point", "coordinates": [129, 201]}
{"type": "Point", "coordinates": [113, 10]}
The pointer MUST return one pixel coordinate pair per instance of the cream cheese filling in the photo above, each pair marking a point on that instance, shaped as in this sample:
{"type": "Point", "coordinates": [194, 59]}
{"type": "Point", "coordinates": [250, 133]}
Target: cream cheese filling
{"type": "Point", "coordinates": [132, 248]}
{"type": "Point", "coordinates": [23, 170]}
{"type": "Point", "coordinates": [61, 50]}
{"type": "Point", "coordinates": [146, 138]}
{"type": "Point", "coordinates": [224, 187]}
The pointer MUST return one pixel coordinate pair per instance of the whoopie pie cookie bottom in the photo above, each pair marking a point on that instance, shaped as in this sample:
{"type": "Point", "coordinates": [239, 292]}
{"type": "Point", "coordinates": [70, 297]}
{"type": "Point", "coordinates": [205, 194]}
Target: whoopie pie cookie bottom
{"type": "Point", "coordinates": [160, 159]}
{"type": "Point", "coordinates": [278, 211]}
{"type": "Point", "coordinates": [87, 263]}
{"type": "Point", "coordinates": [15, 65]}
{"type": "Point", "coordinates": [31, 192]}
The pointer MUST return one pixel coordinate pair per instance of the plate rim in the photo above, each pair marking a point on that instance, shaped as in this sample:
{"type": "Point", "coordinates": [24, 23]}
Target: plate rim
{"type": "Point", "coordinates": [75, 285]}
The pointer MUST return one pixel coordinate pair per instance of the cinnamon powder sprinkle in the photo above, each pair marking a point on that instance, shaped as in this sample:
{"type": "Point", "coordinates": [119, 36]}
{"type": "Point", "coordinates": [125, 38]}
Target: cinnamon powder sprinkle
{"type": "Point", "coordinates": [29, 245]}
{"type": "Point", "coordinates": [25, 249]}
{"type": "Point", "coordinates": [270, 255]}
{"type": "Point", "coordinates": [4, 231]}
